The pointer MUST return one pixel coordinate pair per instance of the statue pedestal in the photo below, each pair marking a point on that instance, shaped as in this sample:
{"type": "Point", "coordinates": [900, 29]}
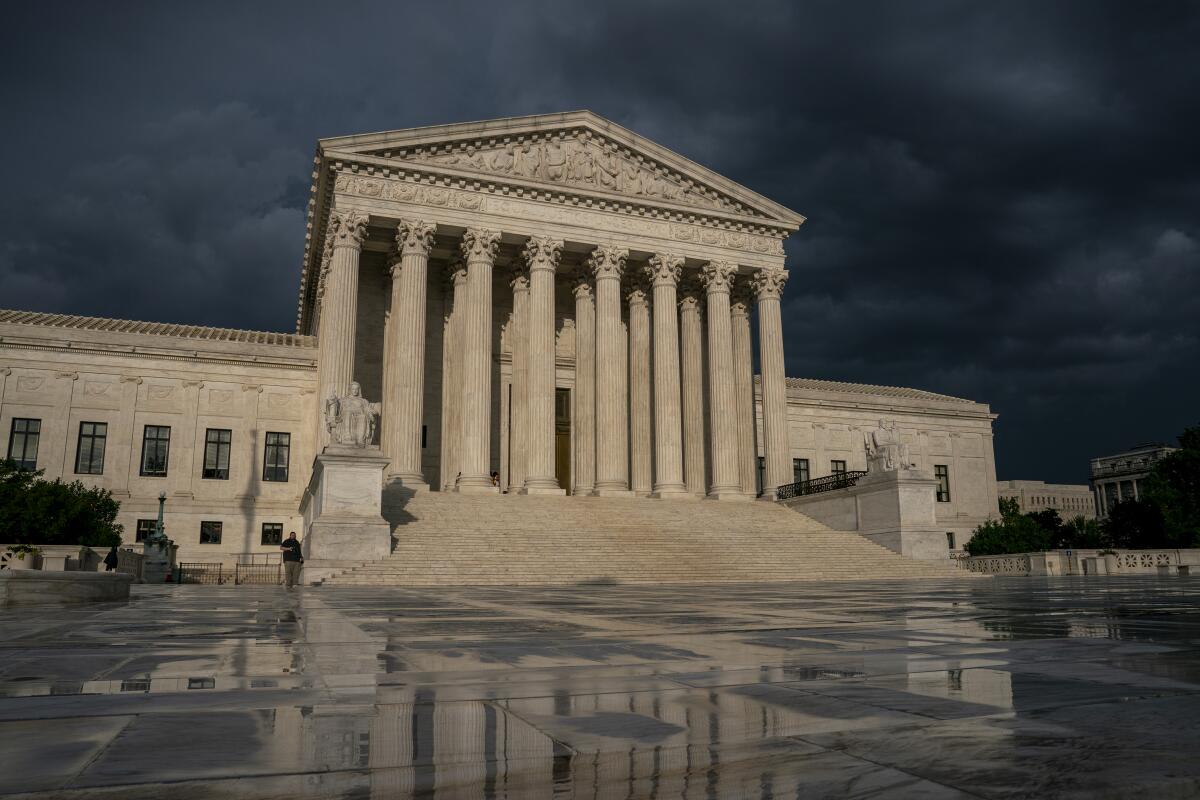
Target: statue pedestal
{"type": "Point", "coordinates": [343, 524]}
{"type": "Point", "coordinates": [896, 510]}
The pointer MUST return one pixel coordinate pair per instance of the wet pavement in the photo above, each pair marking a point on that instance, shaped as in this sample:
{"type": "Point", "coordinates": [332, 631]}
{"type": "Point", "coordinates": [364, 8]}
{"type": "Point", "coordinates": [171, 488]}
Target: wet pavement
{"type": "Point", "coordinates": [1017, 687]}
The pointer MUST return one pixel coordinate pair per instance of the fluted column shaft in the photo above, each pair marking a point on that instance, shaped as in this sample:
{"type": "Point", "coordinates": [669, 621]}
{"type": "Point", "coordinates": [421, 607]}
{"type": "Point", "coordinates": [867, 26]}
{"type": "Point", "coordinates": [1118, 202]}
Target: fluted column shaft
{"type": "Point", "coordinates": [585, 387]}
{"type": "Point", "coordinates": [743, 385]}
{"type": "Point", "coordinates": [452, 375]}
{"type": "Point", "coordinates": [612, 431]}
{"type": "Point", "coordinates": [518, 439]}
{"type": "Point", "coordinates": [541, 254]}
{"type": "Point", "coordinates": [768, 285]}
{"type": "Point", "coordinates": [479, 251]}
{"type": "Point", "coordinates": [404, 378]}
{"type": "Point", "coordinates": [338, 291]}
{"type": "Point", "coordinates": [640, 422]}
{"type": "Point", "coordinates": [691, 352]}
{"type": "Point", "coordinates": [664, 271]}
{"type": "Point", "coordinates": [726, 483]}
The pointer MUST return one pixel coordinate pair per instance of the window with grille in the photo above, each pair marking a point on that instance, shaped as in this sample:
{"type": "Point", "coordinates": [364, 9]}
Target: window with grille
{"type": "Point", "coordinates": [210, 532]}
{"type": "Point", "coordinates": [272, 532]}
{"type": "Point", "coordinates": [276, 455]}
{"type": "Point", "coordinates": [156, 446]}
{"type": "Point", "coordinates": [89, 452]}
{"type": "Point", "coordinates": [837, 467]}
{"type": "Point", "coordinates": [216, 454]}
{"type": "Point", "coordinates": [942, 473]}
{"type": "Point", "coordinates": [799, 470]}
{"type": "Point", "coordinates": [23, 440]}
{"type": "Point", "coordinates": [145, 527]}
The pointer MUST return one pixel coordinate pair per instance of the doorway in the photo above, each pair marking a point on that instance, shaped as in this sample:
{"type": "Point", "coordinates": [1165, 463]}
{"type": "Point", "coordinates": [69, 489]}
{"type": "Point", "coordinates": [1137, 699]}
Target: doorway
{"type": "Point", "coordinates": [562, 438]}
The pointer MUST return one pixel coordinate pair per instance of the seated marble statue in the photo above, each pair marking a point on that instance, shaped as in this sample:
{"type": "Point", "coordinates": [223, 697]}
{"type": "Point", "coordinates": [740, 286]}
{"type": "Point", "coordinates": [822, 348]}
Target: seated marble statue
{"type": "Point", "coordinates": [351, 418]}
{"type": "Point", "coordinates": [885, 451]}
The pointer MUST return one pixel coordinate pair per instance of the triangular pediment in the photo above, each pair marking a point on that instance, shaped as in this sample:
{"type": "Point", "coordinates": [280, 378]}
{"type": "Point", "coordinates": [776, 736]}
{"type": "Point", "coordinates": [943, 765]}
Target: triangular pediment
{"type": "Point", "coordinates": [578, 151]}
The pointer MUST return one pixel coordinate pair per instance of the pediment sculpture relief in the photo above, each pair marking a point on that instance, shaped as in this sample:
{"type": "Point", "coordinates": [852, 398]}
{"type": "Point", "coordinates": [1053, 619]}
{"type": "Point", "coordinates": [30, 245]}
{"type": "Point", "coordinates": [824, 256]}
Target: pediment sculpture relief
{"type": "Point", "coordinates": [578, 160]}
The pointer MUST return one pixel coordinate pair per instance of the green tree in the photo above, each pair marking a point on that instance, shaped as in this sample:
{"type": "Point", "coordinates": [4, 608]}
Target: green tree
{"type": "Point", "coordinates": [37, 511]}
{"type": "Point", "coordinates": [1081, 534]}
{"type": "Point", "coordinates": [1014, 532]}
{"type": "Point", "coordinates": [1136, 525]}
{"type": "Point", "coordinates": [1174, 487]}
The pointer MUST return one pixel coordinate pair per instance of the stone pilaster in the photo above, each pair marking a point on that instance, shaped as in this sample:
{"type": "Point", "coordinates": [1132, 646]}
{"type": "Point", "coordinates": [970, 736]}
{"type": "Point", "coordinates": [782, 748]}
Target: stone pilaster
{"type": "Point", "coordinates": [664, 271]}
{"type": "Point", "coordinates": [691, 351]}
{"type": "Point", "coordinates": [768, 285]}
{"type": "Point", "coordinates": [743, 385]}
{"type": "Point", "coordinates": [585, 386]}
{"type": "Point", "coordinates": [456, 300]}
{"type": "Point", "coordinates": [518, 438]}
{"type": "Point", "coordinates": [541, 255]}
{"type": "Point", "coordinates": [726, 482]}
{"type": "Point", "coordinates": [339, 306]}
{"type": "Point", "coordinates": [612, 424]}
{"type": "Point", "coordinates": [404, 369]}
{"type": "Point", "coordinates": [479, 251]}
{"type": "Point", "coordinates": [640, 426]}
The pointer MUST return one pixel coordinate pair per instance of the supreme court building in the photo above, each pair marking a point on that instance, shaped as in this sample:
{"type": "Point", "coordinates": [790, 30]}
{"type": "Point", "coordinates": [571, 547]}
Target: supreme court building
{"type": "Point", "coordinates": [553, 299]}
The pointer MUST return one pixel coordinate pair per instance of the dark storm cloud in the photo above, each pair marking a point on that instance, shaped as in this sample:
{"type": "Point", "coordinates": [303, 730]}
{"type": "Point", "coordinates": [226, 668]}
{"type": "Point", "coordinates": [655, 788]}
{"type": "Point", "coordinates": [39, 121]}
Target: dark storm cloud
{"type": "Point", "coordinates": [1002, 198]}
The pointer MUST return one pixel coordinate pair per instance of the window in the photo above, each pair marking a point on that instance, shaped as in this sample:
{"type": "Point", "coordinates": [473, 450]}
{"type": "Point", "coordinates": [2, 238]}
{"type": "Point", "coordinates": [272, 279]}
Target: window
{"type": "Point", "coordinates": [89, 454]}
{"type": "Point", "coordinates": [942, 473]}
{"type": "Point", "coordinates": [799, 470]}
{"type": "Point", "coordinates": [276, 455]}
{"type": "Point", "coordinates": [950, 539]}
{"type": "Point", "coordinates": [210, 533]}
{"type": "Point", "coordinates": [272, 533]}
{"type": "Point", "coordinates": [145, 527]}
{"type": "Point", "coordinates": [837, 467]}
{"type": "Point", "coordinates": [156, 443]}
{"type": "Point", "coordinates": [23, 442]}
{"type": "Point", "coordinates": [216, 454]}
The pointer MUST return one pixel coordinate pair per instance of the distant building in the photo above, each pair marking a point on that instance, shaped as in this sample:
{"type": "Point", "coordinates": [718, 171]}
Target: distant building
{"type": "Point", "coordinates": [1120, 477]}
{"type": "Point", "coordinates": [1068, 499]}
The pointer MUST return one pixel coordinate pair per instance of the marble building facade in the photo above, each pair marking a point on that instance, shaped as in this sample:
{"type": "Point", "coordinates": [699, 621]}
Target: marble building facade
{"type": "Point", "coordinates": [553, 299]}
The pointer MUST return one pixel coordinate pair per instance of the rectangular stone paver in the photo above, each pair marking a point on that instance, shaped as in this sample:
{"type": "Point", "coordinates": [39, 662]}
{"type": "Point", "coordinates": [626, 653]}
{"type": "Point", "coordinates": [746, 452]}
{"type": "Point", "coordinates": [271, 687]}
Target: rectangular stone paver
{"type": "Point", "coordinates": [935, 689]}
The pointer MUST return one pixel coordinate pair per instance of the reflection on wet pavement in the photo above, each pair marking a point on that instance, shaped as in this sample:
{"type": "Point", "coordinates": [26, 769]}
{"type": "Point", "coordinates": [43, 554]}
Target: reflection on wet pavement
{"type": "Point", "coordinates": [1003, 688]}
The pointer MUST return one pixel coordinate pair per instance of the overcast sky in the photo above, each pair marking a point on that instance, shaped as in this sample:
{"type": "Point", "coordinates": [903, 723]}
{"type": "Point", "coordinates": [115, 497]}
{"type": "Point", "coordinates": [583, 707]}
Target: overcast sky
{"type": "Point", "coordinates": [1002, 198]}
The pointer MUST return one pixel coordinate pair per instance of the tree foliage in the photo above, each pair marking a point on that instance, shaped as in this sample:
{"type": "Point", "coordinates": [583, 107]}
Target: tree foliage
{"type": "Point", "coordinates": [37, 511]}
{"type": "Point", "coordinates": [1174, 487]}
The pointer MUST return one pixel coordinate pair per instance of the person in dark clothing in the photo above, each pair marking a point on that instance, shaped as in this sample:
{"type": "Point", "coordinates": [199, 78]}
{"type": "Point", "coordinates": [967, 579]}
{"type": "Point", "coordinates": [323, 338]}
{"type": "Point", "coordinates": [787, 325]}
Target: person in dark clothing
{"type": "Point", "coordinates": [292, 560]}
{"type": "Point", "coordinates": [110, 560]}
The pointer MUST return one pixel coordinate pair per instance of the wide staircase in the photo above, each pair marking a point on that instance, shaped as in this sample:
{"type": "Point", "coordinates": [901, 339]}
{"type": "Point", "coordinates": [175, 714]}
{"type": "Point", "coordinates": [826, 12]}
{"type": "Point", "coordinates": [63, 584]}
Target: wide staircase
{"type": "Point", "coordinates": [453, 539]}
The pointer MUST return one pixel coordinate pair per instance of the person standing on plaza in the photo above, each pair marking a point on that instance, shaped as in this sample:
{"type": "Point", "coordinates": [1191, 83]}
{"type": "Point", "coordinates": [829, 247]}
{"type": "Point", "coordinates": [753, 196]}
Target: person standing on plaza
{"type": "Point", "coordinates": [292, 560]}
{"type": "Point", "coordinates": [111, 560]}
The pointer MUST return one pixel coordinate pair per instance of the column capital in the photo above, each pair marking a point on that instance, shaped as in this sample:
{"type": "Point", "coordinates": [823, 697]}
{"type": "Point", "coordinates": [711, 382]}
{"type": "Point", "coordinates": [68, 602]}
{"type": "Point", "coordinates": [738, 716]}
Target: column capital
{"type": "Point", "coordinates": [581, 285]}
{"type": "Point", "coordinates": [637, 291]}
{"type": "Point", "coordinates": [347, 228]}
{"type": "Point", "coordinates": [480, 244]}
{"type": "Point", "coordinates": [664, 269]}
{"type": "Point", "coordinates": [718, 276]}
{"type": "Point", "coordinates": [414, 236]}
{"type": "Point", "coordinates": [326, 263]}
{"type": "Point", "coordinates": [542, 253]}
{"type": "Point", "coordinates": [456, 271]}
{"type": "Point", "coordinates": [740, 299]}
{"type": "Point", "coordinates": [394, 262]}
{"type": "Point", "coordinates": [768, 283]}
{"type": "Point", "coordinates": [518, 277]}
{"type": "Point", "coordinates": [607, 262]}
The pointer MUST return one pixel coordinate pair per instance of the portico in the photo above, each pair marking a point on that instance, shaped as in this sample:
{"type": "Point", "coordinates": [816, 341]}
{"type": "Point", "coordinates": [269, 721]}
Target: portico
{"type": "Point", "coordinates": [554, 299]}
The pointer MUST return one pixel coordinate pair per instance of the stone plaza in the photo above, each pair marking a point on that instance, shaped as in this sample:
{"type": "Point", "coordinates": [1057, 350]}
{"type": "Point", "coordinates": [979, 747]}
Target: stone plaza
{"type": "Point", "coordinates": [996, 688]}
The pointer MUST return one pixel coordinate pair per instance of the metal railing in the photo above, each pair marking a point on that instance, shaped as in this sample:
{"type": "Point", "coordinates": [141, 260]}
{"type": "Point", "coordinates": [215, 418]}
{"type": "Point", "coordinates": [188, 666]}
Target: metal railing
{"type": "Point", "coordinates": [209, 573]}
{"type": "Point", "coordinates": [839, 480]}
{"type": "Point", "coordinates": [264, 574]}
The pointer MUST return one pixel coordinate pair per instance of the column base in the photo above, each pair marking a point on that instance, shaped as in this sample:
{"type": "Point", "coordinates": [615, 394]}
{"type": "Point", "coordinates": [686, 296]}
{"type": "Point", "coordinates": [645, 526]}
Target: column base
{"type": "Point", "coordinates": [415, 483]}
{"type": "Point", "coordinates": [542, 490]}
{"type": "Point", "coordinates": [672, 493]}
{"type": "Point", "coordinates": [470, 488]}
{"type": "Point", "coordinates": [735, 495]}
{"type": "Point", "coordinates": [611, 493]}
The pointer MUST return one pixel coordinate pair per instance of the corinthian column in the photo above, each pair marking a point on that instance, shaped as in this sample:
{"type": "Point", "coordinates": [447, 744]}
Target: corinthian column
{"type": "Point", "coordinates": [640, 428]}
{"type": "Point", "coordinates": [585, 386]}
{"type": "Point", "coordinates": [479, 250]}
{"type": "Point", "coordinates": [691, 351]}
{"type": "Point", "coordinates": [743, 385]}
{"type": "Point", "coordinates": [518, 436]}
{"type": "Point", "coordinates": [452, 372]}
{"type": "Point", "coordinates": [664, 272]}
{"type": "Point", "coordinates": [404, 371]}
{"type": "Point", "coordinates": [726, 483]}
{"type": "Point", "coordinates": [338, 288]}
{"type": "Point", "coordinates": [541, 254]}
{"type": "Point", "coordinates": [768, 285]}
{"type": "Point", "coordinates": [612, 433]}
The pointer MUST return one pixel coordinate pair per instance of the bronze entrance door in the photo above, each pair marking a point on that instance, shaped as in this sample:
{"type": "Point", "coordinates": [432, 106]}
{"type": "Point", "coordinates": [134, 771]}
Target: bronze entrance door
{"type": "Point", "coordinates": [562, 438]}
